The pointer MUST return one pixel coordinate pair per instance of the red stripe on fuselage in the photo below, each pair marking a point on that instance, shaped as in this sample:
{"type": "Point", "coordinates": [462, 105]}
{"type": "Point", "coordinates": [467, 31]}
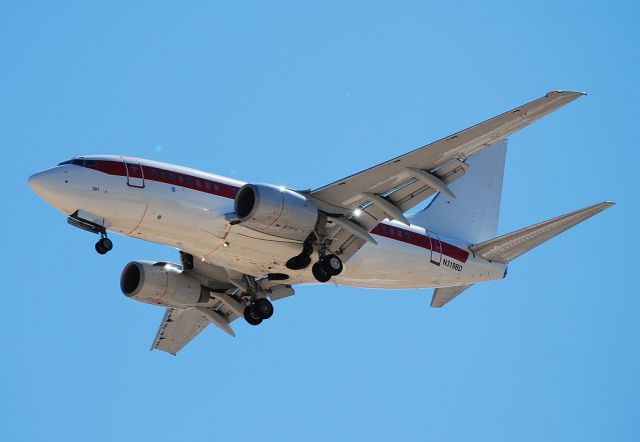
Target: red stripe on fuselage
{"type": "Point", "coordinates": [228, 191]}
{"type": "Point", "coordinates": [419, 240]}
{"type": "Point", "coordinates": [169, 177]}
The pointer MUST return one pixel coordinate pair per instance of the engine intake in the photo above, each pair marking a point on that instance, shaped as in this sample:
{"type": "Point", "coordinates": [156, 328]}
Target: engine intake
{"type": "Point", "coordinates": [161, 283]}
{"type": "Point", "coordinates": [276, 211]}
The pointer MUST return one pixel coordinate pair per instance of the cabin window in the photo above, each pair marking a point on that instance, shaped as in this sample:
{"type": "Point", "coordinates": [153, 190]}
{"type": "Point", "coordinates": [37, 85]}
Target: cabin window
{"type": "Point", "coordinates": [154, 173]}
{"type": "Point", "coordinates": [172, 177]}
{"type": "Point", "coordinates": [163, 174]}
{"type": "Point", "coordinates": [391, 231]}
{"type": "Point", "coordinates": [189, 180]}
{"type": "Point", "coordinates": [216, 187]}
{"type": "Point", "coordinates": [180, 179]}
{"type": "Point", "coordinates": [198, 183]}
{"type": "Point", "coordinates": [207, 185]}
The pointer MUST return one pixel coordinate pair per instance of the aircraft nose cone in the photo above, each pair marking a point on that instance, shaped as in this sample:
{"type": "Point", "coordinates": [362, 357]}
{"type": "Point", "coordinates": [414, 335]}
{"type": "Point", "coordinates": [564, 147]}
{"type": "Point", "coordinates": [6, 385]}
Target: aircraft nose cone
{"type": "Point", "coordinates": [37, 182]}
{"type": "Point", "coordinates": [47, 184]}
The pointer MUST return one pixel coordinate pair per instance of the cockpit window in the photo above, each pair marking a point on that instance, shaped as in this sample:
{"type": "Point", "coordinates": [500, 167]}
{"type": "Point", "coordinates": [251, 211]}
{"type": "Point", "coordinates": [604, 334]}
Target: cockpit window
{"type": "Point", "coordinates": [80, 162]}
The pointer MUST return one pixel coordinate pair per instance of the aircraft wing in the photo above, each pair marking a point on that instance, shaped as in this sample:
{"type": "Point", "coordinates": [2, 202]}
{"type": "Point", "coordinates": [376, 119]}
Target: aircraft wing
{"type": "Point", "coordinates": [180, 326]}
{"type": "Point", "coordinates": [395, 186]}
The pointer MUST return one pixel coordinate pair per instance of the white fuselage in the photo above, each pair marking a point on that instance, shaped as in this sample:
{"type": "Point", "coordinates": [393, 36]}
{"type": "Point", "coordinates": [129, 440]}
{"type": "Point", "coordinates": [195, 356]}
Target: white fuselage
{"type": "Point", "coordinates": [186, 208]}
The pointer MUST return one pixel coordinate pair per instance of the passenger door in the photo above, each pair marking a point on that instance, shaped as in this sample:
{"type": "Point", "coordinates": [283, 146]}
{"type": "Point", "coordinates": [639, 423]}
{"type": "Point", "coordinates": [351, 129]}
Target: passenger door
{"type": "Point", "coordinates": [135, 173]}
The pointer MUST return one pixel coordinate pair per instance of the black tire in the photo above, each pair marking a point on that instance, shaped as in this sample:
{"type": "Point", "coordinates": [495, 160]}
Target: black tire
{"type": "Point", "coordinates": [100, 248]}
{"type": "Point", "coordinates": [249, 316]}
{"type": "Point", "coordinates": [332, 264]}
{"type": "Point", "coordinates": [107, 244]}
{"type": "Point", "coordinates": [298, 262]}
{"type": "Point", "coordinates": [320, 272]}
{"type": "Point", "coordinates": [262, 308]}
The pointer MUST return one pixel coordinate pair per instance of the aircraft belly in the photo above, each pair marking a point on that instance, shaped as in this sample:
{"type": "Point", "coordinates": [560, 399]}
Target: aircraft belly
{"type": "Point", "coordinates": [254, 253]}
{"type": "Point", "coordinates": [394, 265]}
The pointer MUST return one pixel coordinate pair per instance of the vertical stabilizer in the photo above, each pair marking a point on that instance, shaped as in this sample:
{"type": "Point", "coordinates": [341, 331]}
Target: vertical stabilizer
{"type": "Point", "coordinates": [472, 215]}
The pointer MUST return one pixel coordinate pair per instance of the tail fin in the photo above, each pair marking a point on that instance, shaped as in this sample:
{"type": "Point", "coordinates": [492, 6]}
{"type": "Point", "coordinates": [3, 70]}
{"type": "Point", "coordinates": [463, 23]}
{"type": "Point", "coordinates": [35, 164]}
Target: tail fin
{"type": "Point", "coordinates": [508, 247]}
{"type": "Point", "coordinates": [472, 215]}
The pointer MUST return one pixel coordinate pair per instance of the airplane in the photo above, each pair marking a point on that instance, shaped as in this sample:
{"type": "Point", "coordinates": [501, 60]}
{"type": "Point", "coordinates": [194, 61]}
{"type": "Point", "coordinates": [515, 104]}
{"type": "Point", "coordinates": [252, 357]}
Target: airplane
{"type": "Point", "coordinates": [244, 245]}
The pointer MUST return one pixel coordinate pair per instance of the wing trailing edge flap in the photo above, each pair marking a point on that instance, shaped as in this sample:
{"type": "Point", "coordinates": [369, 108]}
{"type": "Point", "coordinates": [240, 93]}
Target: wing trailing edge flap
{"type": "Point", "coordinates": [506, 248]}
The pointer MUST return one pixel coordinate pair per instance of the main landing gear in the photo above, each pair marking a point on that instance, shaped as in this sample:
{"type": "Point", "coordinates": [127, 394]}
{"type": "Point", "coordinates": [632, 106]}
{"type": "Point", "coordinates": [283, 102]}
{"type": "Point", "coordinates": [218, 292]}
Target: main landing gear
{"type": "Point", "coordinates": [104, 244]}
{"type": "Point", "coordinates": [258, 310]}
{"type": "Point", "coordinates": [328, 266]}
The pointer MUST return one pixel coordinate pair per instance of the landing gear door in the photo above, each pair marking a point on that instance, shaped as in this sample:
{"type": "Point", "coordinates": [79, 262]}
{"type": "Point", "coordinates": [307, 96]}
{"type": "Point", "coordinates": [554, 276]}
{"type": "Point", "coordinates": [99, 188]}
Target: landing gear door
{"type": "Point", "coordinates": [436, 248]}
{"type": "Point", "coordinates": [135, 173]}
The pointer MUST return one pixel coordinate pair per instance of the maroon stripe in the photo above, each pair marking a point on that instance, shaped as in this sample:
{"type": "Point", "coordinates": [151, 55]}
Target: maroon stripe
{"type": "Point", "coordinates": [229, 191]}
{"type": "Point", "coordinates": [416, 239]}
{"type": "Point", "coordinates": [169, 177]}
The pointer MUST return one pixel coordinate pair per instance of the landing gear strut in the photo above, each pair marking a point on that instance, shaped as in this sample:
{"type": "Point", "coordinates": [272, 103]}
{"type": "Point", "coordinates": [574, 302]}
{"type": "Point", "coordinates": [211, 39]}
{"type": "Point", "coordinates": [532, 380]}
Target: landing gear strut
{"type": "Point", "coordinates": [258, 311]}
{"type": "Point", "coordinates": [104, 244]}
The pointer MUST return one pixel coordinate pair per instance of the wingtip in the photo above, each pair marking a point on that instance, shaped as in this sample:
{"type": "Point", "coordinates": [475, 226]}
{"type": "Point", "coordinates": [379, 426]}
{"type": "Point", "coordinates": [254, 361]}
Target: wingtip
{"type": "Point", "coordinates": [601, 206]}
{"type": "Point", "coordinates": [573, 93]}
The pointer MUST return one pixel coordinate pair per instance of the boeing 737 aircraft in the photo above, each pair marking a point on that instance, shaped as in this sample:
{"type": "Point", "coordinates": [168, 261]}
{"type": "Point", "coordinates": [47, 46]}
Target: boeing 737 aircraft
{"type": "Point", "coordinates": [243, 245]}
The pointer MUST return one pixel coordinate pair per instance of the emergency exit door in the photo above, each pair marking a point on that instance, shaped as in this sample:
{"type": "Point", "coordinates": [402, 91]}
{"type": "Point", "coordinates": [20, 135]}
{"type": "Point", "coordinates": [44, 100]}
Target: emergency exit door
{"type": "Point", "coordinates": [436, 248]}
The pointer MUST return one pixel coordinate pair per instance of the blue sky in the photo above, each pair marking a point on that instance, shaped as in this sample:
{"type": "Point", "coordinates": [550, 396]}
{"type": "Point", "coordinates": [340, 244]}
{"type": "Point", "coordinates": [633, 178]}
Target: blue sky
{"type": "Point", "coordinates": [301, 95]}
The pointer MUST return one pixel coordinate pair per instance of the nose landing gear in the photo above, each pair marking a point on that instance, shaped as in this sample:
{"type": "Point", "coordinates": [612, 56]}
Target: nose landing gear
{"type": "Point", "coordinates": [104, 244]}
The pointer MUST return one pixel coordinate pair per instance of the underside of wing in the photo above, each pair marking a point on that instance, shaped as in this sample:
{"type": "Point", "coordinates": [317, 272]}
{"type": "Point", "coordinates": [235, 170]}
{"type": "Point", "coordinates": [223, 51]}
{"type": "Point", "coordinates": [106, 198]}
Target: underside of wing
{"type": "Point", "coordinates": [396, 172]}
{"type": "Point", "coordinates": [226, 302]}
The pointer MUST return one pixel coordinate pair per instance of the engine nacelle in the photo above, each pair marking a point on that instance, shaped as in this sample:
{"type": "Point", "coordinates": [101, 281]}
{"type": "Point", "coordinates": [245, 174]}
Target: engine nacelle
{"type": "Point", "coordinates": [161, 283]}
{"type": "Point", "coordinates": [276, 211]}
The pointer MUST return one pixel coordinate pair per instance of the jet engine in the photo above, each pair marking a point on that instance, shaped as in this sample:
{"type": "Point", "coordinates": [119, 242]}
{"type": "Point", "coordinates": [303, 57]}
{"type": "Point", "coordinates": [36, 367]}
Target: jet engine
{"type": "Point", "coordinates": [161, 283]}
{"type": "Point", "coordinates": [276, 211]}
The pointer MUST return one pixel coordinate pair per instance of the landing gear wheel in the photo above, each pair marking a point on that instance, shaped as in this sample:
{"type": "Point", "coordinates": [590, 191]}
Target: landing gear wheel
{"type": "Point", "coordinates": [262, 308]}
{"type": "Point", "coordinates": [106, 243]}
{"type": "Point", "coordinates": [320, 272]}
{"type": "Point", "coordinates": [249, 315]}
{"type": "Point", "coordinates": [299, 262]}
{"type": "Point", "coordinates": [332, 264]}
{"type": "Point", "coordinates": [100, 248]}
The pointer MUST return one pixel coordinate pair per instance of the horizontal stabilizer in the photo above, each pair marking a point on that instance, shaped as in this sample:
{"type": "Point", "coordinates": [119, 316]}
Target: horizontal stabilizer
{"type": "Point", "coordinates": [443, 295]}
{"type": "Point", "coordinates": [178, 328]}
{"type": "Point", "coordinates": [506, 248]}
